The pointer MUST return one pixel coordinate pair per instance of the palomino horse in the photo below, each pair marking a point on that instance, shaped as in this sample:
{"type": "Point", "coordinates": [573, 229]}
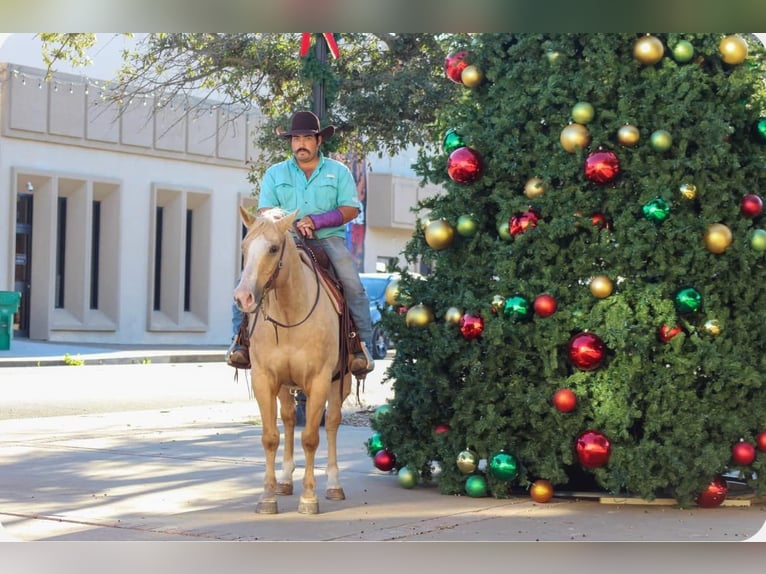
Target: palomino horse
{"type": "Point", "coordinates": [294, 342]}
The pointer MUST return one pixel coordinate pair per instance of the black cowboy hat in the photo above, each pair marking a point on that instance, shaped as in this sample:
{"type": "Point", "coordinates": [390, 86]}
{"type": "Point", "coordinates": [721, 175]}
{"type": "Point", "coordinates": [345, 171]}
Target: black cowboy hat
{"type": "Point", "coordinates": [307, 123]}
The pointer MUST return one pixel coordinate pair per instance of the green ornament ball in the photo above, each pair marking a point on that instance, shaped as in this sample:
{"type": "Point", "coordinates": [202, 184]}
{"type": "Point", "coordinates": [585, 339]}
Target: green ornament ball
{"type": "Point", "coordinates": [583, 113]}
{"type": "Point", "coordinates": [661, 140]}
{"type": "Point", "coordinates": [683, 51]}
{"type": "Point", "coordinates": [688, 300]}
{"type": "Point", "coordinates": [476, 486]}
{"type": "Point", "coordinates": [407, 477]}
{"type": "Point", "coordinates": [517, 307]}
{"type": "Point", "coordinates": [656, 210]}
{"type": "Point", "coordinates": [467, 225]}
{"type": "Point", "coordinates": [504, 230]}
{"type": "Point", "coordinates": [380, 411]}
{"type": "Point", "coordinates": [758, 240]}
{"type": "Point", "coordinates": [503, 466]}
{"type": "Point", "coordinates": [374, 444]}
{"type": "Point", "coordinates": [760, 130]}
{"type": "Point", "coordinates": [452, 141]}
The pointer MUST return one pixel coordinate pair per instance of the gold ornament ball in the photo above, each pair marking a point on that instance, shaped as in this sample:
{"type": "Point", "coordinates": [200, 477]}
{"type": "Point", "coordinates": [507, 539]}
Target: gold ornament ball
{"type": "Point", "coordinates": [601, 286]}
{"type": "Point", "coordinates": [583, 112]}
{"type": "Point", "coordinates": [439, 234]}
{"type": "Point", "coordinates": [574, 136]}
{"type": "Point", "coordinates": [453, 315]}
{"type": "Point", "coordinates": [541, 490]}
{"type": "Point", "coordinates": [535, 187]}
{"type": "Point", "coordinates": [661, 140]}
{"type": "Point", "coordinates": [467, 461]}
{"type": "Point", "coordinates": [419, 316]}
{"type": "Point", "coordinates": [648, 50]}
{"type": "Point", "coordinates": [471, 76]}
{"type": "Point", "coordinates": [712, 327]}
{"type": "Point", "coordinates": [717, 238]}
{"type": "Point", "coordinates": [628, 135]}
{"type": "Point", "coordinates": [392, 293]}
{"type": "Point", "coordinates": [733, 49]}
{"type": "Point", "coordinates": [498, 302]}
{"type": "Point", "coordinates": [688, 190]}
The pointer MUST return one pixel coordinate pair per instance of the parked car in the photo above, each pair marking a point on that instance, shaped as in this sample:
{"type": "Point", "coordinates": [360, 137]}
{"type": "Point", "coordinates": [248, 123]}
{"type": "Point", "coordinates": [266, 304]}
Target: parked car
{"type": "Point", "coordinates": [375, 284]}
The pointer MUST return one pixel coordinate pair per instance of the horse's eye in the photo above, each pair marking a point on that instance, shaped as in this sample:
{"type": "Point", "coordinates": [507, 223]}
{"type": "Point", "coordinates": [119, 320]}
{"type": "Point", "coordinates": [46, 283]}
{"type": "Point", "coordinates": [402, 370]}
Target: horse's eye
{"type": "Point", "coordinates": [273, 249]}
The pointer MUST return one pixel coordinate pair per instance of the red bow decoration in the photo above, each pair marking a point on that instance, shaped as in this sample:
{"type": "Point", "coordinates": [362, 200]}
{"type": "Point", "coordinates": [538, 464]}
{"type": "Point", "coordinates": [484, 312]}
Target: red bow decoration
{"type": "Point", "coordinates": [328, 37]}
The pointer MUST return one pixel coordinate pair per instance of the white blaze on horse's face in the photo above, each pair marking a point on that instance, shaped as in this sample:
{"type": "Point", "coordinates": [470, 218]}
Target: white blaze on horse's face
{"type": "Point", "coordinates": [260, 257]}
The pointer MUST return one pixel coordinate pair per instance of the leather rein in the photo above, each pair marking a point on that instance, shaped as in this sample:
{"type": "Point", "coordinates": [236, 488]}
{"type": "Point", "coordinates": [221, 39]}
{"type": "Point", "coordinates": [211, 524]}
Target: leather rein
{"type": "Point", "coordinates": [268, 287]}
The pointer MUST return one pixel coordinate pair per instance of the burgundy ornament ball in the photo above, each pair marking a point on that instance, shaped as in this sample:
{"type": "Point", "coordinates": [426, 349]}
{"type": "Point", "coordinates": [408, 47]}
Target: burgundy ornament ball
{"type": "Point", "coordinates": [586, 351]}
{"type": "Point", "coordinates": [593, 449]}
{"type": "Point", "coordinates": [454, 64]}
{"type": "Point", "coordinates": [714, 494]}
{"type": "Point", "coordinates": [471, 326]}
{"type": "Point", "coordinates": [384, 460]}
{"type": "Point", "coordinates": [602, 167]}
{"type": "Point", "coordinates": [464, 165]}
{"type": "Point", "coordinates": [545, 305]}
{"type": "Point", "coordinates": [751, 205]}
{"type": "Point", "coordinates": [520, 222]}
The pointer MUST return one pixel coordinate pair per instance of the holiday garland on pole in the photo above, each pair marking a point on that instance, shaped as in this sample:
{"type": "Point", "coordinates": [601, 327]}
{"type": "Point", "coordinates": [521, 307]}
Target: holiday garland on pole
{"type": "Point", "coordinates": [595, 308]}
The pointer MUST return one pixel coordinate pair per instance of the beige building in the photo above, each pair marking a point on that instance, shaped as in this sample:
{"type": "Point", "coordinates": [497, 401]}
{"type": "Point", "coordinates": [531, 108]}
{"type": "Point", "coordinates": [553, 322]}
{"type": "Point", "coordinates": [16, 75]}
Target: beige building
{"type": "Point", "coordinates": [120, 225]}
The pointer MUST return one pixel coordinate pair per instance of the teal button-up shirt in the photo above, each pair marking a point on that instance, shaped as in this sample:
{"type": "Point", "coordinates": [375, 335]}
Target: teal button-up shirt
{"type": "Point", "coordinates": [331, 185]}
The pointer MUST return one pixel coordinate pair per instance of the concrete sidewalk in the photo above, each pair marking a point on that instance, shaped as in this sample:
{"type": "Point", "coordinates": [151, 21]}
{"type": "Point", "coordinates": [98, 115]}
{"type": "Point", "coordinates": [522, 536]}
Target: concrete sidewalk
{"type": "Point", "coordinates": [194, 472]}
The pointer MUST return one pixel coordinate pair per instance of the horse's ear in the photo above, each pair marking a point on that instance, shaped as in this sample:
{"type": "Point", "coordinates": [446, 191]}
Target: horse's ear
{"type": "Point", "coordinates": [247, 217]}
{"type": "Point", "coordinates": [286, 222]}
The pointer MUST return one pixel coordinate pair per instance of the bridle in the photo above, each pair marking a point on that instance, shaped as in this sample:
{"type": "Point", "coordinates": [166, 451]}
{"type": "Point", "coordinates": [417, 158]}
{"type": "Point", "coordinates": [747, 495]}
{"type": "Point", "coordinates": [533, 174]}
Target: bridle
{"type": "Point", "coordinates": [268, 286]}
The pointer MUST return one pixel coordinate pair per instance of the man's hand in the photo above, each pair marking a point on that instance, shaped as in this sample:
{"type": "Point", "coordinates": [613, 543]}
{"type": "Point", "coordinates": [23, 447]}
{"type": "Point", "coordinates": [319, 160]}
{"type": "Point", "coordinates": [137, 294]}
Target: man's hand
{"type": "Point", "coordinates": [306, 227]}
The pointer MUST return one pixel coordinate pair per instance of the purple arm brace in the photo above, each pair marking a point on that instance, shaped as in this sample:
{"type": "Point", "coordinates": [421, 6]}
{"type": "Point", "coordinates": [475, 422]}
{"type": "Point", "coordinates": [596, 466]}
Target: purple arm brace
{"type": "Point", "coordinates": [332, 218]}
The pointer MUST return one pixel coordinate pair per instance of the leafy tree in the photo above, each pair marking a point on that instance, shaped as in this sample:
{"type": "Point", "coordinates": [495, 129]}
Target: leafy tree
{"type": "Point", "coordinates": [671, 411]}
{"type": "Point", "coordinates": [382, 93]}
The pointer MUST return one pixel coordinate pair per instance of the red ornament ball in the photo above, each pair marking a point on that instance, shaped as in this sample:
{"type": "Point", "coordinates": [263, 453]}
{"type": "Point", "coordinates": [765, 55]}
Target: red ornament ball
{"type": "Point", "coordinates": [602, 167]}
{"type": "Point", "coordinates": [601, 221]}
{"type": "Point", "coordinates": [666, 333]}
{"type": "Point", "coordinates": [464, 165]}
{"type": "Point", "coordinates": [471, 326]}
{"type": "Point", "coordinates": [751, 205]}
{"type": "Point", "coordinates": [743, 453]}
{"type": "Point", "coordinates": [442, 429]}
{"type": "Point", "coordinates": [564, 400]}
{"type": "Point", "coordinates": [586, 351]}
{"type": "Point", "coordinates": [384, 460]}
{"type": "Point", "coordinates": [520, 222]}
{"type": "Point", "coordinates": [760, 441]}
{"type": "Point", "coordinates": [593, 449]}
{"type": "Point", "coordinates": [545, 305]}
{"type": "Point", "coordinates": [454, 64]}
{"type": "Point", "coordinates": [714, 494]}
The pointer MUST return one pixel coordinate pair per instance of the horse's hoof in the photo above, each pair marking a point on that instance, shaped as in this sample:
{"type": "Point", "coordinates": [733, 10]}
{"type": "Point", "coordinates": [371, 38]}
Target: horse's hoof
{"type": "Point", "coordinates": [266, 507]}
{"type": "Point", "coordinates": [335, 494]}
{"type": "Point", "coordinates": [284, 488]}
{"type": "Point", "coordinates": [308, 507]}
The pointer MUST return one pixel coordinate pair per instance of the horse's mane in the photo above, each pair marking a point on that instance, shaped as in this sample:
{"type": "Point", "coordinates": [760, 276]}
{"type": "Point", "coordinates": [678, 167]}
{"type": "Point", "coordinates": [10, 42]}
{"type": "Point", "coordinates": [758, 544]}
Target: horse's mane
{"type": "Point", "coordinates": [274, 213]}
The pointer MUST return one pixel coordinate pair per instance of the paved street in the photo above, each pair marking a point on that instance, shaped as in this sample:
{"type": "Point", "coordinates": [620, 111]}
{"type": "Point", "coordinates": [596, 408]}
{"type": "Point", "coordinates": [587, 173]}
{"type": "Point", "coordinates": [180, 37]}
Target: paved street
{"type": "Point", "coordinates": [171, 451]}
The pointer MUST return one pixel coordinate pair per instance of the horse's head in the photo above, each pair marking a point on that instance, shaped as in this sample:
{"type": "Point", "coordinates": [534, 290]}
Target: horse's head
{"type": "Point", "coordinates": [262, 250]}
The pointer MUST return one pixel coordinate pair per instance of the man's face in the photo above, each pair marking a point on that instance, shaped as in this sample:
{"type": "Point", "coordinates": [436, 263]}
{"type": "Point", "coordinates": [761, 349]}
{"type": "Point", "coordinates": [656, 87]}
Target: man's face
{"type": "Point", "coordinates": [305, 147]}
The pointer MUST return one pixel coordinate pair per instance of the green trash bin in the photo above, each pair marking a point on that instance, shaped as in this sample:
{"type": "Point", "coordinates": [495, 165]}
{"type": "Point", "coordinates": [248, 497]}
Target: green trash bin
{"type": "Point", "coordinates": [9, 304]}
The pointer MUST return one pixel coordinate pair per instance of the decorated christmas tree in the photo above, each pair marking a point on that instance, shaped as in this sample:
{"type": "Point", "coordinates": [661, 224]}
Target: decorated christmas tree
{"type": "Point", "coordinates": [595, 307]}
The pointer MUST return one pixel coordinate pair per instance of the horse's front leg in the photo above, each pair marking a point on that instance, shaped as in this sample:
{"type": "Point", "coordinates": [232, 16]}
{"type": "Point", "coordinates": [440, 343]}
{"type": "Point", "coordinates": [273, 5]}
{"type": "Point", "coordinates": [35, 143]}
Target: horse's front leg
{"type": "Point", "coordinates": [267, 405]}
{"type": "Point", "coordinates": [315, 405]}
{"type": "Point", "coordinates": [287, 413]}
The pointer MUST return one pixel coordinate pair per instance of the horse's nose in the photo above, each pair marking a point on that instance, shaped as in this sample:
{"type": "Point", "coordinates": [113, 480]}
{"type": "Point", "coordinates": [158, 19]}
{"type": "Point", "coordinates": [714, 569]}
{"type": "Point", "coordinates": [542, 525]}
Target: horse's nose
{"type": "Point", "coordinates": [244, 299]}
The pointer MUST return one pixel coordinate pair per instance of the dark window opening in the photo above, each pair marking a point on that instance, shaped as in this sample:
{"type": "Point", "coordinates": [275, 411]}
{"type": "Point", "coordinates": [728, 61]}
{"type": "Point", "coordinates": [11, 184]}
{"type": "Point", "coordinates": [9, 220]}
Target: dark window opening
{"type": "Point", "coordinates": [95, 247]}
{"type": "Point", "coordinates": [158, 260]}
{"type": "Point", "coordinates": [188, 261]}
{"type": "Point", "coordinates": [60, 253]}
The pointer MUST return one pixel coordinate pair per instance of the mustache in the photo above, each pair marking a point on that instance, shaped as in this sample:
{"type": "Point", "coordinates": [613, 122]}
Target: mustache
{"type": "Point", "coordinates": [302, 149]}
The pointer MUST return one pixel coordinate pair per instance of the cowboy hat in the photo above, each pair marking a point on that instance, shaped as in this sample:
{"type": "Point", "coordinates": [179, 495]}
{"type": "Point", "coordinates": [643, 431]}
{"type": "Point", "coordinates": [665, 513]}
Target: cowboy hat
{"type": "Point", "coordinates": [307, 123]}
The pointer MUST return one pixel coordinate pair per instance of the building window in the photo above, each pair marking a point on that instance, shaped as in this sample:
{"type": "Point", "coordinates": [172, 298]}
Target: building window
{"type": "Point", "coordinates": [95, 248]}
{"type": "Point", "coordinates": [60, 252]}
{"type": "Point", "coordinates": [181, 259]}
